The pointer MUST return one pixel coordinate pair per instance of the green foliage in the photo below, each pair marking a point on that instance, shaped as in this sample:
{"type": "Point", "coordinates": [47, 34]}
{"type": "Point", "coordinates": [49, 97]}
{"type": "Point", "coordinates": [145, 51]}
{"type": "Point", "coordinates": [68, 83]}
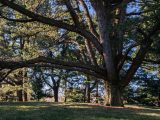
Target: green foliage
{"type": "Point", "coordinates": [74, 95]}
{"type": "Point", "coordinates": [146, 92]}
{"type": "Point", "coordinates": [37, 85]}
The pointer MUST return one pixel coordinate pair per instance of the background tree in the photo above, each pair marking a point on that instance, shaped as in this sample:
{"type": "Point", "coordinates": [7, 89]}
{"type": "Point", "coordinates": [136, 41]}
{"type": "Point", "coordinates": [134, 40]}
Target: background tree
{"type": "Point", "coordinates": [37, 84]}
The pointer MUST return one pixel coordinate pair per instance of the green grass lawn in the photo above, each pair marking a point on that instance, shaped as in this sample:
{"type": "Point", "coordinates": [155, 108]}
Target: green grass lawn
{"type": "Point", "coordinates": [73, 111]}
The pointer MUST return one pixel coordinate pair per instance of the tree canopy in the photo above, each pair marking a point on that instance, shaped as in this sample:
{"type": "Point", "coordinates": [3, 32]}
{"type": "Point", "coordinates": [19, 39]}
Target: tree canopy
{"type": "Point", "coordinates": [112, 40]}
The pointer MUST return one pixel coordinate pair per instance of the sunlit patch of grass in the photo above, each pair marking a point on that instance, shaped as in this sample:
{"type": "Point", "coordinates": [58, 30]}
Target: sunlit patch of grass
{"type": "Point", "coordinates": [143, 107]}
{"type": "Point", "coordinates": [73, 111]}
{"type": "Point", "coordinates": [27, 108]}
{"type": "Point", "coordinates": [150, 114]}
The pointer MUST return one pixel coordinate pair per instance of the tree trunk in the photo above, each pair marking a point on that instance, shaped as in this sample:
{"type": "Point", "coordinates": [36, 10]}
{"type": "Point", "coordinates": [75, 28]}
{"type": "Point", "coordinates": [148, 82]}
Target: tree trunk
{"type": "Point", "coordinates": [20, 95]}
{"type": "Point", "coordinates": [25, 96]}
{"type": "Point", "coordinates": [88, 96]}
{"type": "Point", "coordinates": [104, 14]}
{"type": "Point", "coordinates": [55, 94]}
{"type": "Point", "coordinates": [113, 95]}
{"type": "Point", "coordinates": [65, 91]}
{"type": "Point", "coordinates": [88, 91]}
{"type": "Point", "coordinates": [97, 93]}
{"type": "Point", "coordinates": [84, 95]}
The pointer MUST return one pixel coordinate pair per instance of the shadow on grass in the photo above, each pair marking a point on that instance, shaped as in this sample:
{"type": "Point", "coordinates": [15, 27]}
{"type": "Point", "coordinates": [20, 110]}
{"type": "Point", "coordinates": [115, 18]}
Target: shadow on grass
{"type": "Point", "coordinates": [70, 111]}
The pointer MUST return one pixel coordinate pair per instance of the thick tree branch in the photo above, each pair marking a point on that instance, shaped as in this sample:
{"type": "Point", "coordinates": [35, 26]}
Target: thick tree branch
{"type": "Point", "coordinates": [91, 52]}
{"type": "Point", "coordinates": [53, 22]}
{"type": "Point", "coordinates": [125, 56]}
{"type": "Point", "coordinates": [89, 19]}
{"type": "Point", "coordinates": [49, 62]}
{"type": "Point", "coordinates": [72, 12]}
{"type": "Point", "coordinates": [137, 61]}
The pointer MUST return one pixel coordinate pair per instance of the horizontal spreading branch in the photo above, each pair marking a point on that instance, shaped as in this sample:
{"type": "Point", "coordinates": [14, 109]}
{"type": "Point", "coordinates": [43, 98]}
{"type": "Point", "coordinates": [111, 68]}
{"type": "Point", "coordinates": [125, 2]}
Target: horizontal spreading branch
{"type": "Point", "coordinates": [50, 62]}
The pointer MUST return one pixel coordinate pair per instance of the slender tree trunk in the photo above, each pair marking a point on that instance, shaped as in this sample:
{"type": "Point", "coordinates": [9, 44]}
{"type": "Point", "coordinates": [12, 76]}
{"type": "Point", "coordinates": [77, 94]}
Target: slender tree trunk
{"type": "Point", "coordinates": [20, 95]}
{"type": "Point", "coordinates": [89, 97]}
{"type": "Point", "coordinates": [55, 94]}
{"type": "Point", "coordinates": [65, 91]}
{"type": "Point", "coordinates": [65, 97]}
{"type": "Point", "coordinates": [97, 93]}
{"type": "Point", "coordinates": [88, 89]}
{"type": "Point", "coordinates": [113, 95]}
{"type": "Point", "coordinates": [25, 96]}
{"type": "Point", "coordinates": [84, 95]}
{"type": "Point", "coordinates": [88, 93]}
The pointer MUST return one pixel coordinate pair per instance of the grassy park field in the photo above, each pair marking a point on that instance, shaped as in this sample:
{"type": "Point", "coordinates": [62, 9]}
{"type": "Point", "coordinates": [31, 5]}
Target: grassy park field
{"type": "Point", "coordinates": [74, 111]}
